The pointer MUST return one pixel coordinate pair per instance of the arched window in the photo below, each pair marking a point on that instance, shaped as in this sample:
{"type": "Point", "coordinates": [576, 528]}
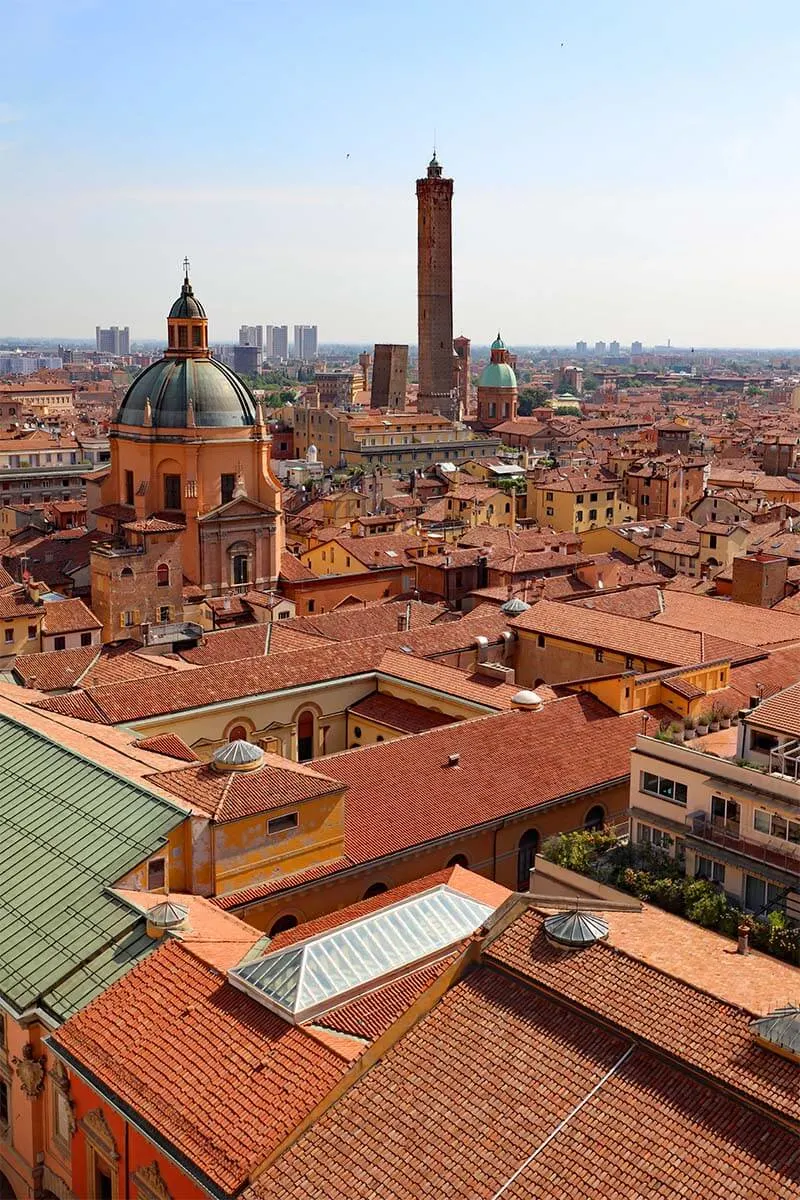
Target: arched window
{"type": "Point", "coordinates": [282, 924]}
{"type": "Point", "coordinates": [526, 852]}
{"type": "Point", "coordinates": [595, 817]}
{"type": "Point", "coordinates": [126, 573]}
{"type": "Point", "coordinates": [375, 889]}
{"type": "Point", "coordinates": [238, 734]}
{"type": "Point", "coordinates": [459, 860]}
{"type": "Point", "coordinates": [162, 575]}
{"type": "Point", "coordinates": [305, 736]}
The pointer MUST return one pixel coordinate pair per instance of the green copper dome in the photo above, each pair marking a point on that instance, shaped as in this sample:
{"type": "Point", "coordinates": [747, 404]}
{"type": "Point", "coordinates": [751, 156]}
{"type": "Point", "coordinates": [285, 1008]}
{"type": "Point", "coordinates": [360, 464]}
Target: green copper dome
{"type": "Point", "coordinates": [498, 343]}
{"type": "Point", "coordinates": [497, 375]}
{"type": "Point", "coordinates": [218, 397]}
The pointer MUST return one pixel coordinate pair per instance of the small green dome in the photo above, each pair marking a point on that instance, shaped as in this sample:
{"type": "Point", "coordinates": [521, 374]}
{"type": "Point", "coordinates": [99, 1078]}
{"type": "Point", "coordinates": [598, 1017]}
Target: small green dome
{"type": "Point", "coordinates": [497, 375]}
{"type": "Point", "coordinates": [218, 396]}
{"type": "Point", "coordinates": [498, 343]}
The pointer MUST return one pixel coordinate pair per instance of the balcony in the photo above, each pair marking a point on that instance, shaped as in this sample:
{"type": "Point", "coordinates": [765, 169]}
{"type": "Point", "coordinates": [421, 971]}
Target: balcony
{"type": "Point", "coordinates": [785, 760]}
{"type": "Point", "coordinates": [725, 834]}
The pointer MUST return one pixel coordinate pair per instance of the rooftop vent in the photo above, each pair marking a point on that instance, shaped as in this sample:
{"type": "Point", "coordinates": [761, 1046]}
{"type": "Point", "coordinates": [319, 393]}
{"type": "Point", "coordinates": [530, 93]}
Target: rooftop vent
{"type": "Point", "coordinates": [514, 607]}
{"type": "Point", "coordinates": [779, 1031]}
{"type": "Point", "coordinates": [575, 930]}
{"type": "Point", "coordinates": [530, 701]}
{"type": "Point", "coordinates": [165, 916]}
{"type": "Point", "coordinates": [237, 756]}
{"type": "Point", "coordinates": [453, 760]}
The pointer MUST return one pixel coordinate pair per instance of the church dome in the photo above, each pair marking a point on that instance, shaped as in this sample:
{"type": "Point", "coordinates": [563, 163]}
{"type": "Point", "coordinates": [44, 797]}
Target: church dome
{"type": "Point", "coordinates": [219, 398]}
{"type": "Point", "coordinates": [497, 375]}
{"type": "Point", "coordinates": [498, 343]}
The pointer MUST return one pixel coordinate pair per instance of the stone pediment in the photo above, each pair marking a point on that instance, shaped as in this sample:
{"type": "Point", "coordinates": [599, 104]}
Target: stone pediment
{"type": "Point", "coordinates": [238, 509]}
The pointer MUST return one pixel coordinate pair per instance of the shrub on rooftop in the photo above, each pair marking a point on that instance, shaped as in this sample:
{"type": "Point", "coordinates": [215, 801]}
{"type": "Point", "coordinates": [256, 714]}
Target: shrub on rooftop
{"type": "Point", "coordinates": [578, 850]}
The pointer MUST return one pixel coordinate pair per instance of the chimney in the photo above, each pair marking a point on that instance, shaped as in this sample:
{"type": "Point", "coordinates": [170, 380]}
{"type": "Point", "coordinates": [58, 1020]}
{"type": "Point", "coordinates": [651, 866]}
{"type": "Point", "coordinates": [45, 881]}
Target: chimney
{"type": "Point", "coordinates": [453, 760]}
{"type": "Point", "coordinates": [743, 939]}
{"type": "Point", "coordinates": [482, 645]}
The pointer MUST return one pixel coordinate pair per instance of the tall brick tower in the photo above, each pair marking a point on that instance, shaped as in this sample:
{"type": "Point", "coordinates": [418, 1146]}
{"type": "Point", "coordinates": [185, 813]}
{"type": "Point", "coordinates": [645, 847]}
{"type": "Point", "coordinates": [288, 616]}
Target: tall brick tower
{"type": "Point", "coordinates": [435, 291]}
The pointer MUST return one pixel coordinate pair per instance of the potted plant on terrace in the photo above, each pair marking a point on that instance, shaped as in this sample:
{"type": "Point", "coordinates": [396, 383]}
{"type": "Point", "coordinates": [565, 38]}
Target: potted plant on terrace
{"type": "Point", "coordinates": [713, 724]}
{"type": "Point", "coordinates": [702, 724]}
{"type": "Point", "coordinates": [676, 729]}
{"type": "Point", "coordinates": [725, 715]}
{"type": "Point", "coordinates": [689, 726]}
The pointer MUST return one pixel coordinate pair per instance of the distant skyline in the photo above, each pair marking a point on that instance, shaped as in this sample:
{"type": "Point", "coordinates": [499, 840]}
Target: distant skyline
{"type": "Point", "coordinates": [622, 172]}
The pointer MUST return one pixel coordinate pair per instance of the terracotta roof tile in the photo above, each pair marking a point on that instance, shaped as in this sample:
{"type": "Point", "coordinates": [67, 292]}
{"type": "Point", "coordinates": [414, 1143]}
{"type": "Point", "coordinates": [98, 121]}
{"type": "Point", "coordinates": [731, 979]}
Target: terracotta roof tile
{"type": "Point", "coordinates": [780, 712]}
{"type": "Point", "coordinates": [55, 670]}
{"type": "Point", "coordinates": [450, 1111]}
{"type": "Point", "coordinates": [398, 714]}
{"type": "Point", "coordinates": [742, 623]}
{"type": "Point", "coordinates": [479, 689]}
{"type": "Point", "coordinates": [231, 795]}
{"type": "Point", "coordinates": [169, 744]}
{"type": "Point", "coordinates": [225, 1079]}
{"type": "Point", "coordinates": [68, 616]}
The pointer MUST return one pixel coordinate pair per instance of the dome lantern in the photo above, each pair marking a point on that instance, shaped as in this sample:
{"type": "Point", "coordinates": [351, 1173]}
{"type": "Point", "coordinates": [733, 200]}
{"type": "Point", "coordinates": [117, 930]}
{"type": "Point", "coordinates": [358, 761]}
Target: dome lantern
{"type": "Point", "coordinates": [187, 324]}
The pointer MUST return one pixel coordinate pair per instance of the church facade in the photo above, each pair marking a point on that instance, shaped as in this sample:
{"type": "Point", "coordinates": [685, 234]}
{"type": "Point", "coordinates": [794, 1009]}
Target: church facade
{"type": "Point", "coordinates": [190, 504]}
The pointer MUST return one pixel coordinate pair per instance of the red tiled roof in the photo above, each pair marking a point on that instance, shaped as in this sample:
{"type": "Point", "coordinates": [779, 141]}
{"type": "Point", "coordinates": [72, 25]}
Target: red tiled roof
{"type": "Point", "coordinates": [743, 623]}
{"type": "Point", "coordinates": [781, 712]}
{"type": "Point", "coordinates": [500, 1079]}
{"type": "Point", "coordinates": [508, 762]}
{"type": "Point", "coordinates": [479, 689]}
{"type": "Point", "coordinates": [293, 571]}
{"type": "Point", "coordinates": [55, 670]}
{"type": "Point", "coordinates": [641, 639]}
{"type": "Point", "coordinates": [231, 795]}
{"type": "Point", "coordinates": [221, 1076]}
{"type": "Point", "coordinates": [68, 616]}
{"type": "Point", "coordinates": [169, 744]}
{"type": "Point", "coordinates": [154, 525]}
{"type": "Point", "coordinates": [398, 714]}
{"type": "Point", "coordinates": [227, 645]}
{"type": "Point", "coordinates": [371, 1015]}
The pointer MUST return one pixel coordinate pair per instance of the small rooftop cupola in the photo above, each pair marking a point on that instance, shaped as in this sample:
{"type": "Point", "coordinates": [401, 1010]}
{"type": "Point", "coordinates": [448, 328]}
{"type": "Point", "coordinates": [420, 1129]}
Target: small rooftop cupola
{"type": "Point", "coordinates": [514, 606]}
{"type": "Point", "coordinates": [164, 917]}
{"type": "Point", "coordinates": [187, 324]}
{"type": "Point", "coordinates": [237, 756]}
{"type": "Point", "coordinates": [527, 700]}
{"type": "Point", "coordinates": [575, 930]}
{"type": "Point", "coordinates": [434, 168]}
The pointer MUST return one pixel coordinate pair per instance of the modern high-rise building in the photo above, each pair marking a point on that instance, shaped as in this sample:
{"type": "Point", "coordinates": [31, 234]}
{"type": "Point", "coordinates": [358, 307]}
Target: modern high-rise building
{"type": "Point", "coordinates": [636, 347]}
{"type": "Point", "coordinates": [114, 341]}
{"type": "Point", "coordinates": [389, 375]}
{"type": "Point", "coordinates": [613, 349]}
{"type": "Point", "coordinates": [246, 360]}
{"type": "Point", "coordinates": [581, 347]}
{"type": "Point", "coordinates": [435, 291]}
{"type": "Point", "coordinates": [276, 342]}
{"type": "Point", "coordinates": [251, 335]}
{"type": "Point", "coordinates": [305, 342]}
{"type": "Point", "coordinates": [599, 347]}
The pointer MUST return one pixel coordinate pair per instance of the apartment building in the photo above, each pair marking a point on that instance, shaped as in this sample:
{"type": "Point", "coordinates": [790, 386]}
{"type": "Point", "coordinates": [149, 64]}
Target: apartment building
{"type": "Point", "coordinates": [735, 821]}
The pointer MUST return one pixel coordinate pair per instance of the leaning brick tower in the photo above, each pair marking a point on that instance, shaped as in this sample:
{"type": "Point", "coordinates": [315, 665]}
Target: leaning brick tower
{"type": "Point", "coordinates": [435, 291]}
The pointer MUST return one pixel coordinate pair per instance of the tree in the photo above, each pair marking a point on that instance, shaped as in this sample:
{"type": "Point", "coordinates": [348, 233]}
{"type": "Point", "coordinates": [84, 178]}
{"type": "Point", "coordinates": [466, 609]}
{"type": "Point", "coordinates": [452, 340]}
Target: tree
{"type": "Point", "coordinates": [531, 398]}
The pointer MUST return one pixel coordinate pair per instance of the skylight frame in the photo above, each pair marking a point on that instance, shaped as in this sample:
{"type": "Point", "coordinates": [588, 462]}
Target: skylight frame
{"type": "Point", "coordinates": [327, 970]}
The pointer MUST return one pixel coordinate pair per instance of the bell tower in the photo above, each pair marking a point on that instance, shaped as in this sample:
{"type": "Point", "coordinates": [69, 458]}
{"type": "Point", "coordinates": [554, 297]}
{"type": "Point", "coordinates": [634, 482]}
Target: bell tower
{"type": "Point", "coordinates": [435, 291]}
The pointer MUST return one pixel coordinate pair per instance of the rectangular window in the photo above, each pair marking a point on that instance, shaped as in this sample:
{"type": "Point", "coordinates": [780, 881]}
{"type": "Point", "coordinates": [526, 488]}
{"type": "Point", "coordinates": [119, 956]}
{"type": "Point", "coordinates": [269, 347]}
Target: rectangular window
{"type": "Point", "coordinates": [725, 815]}
{"type": "Point", "coordinates": [312, 604]}
{"type": "Point", "coordinates": [666, 789]}
{"type": "Point", "coordinates": [227, 483]}
{"type": "Point", "coordinates": [763, 742]}
{"type": "Point", "coordinates": [593, 495]}
{"type": "Point", "coordinates": [196, 332]}
{"type": "Point", "coordinates": [549, 512]}
{"type": "Point", "coordinates": [592, 514]}
{"type": "Point", "coordinates": [540, 640]}
{"type": "Point", "coordinates": [183, 336]}
{"type": "Point", "coordinates": [156, 874]}
{"type": "Point", "coordinates": [656, 837]}
{"type": "Point", "coordinates": [579, 499]}
{"type": "Point", "coordinates": [59, 643]}
{"type": "Point", "coordinates": [129, 487]}
{"type": "Point", "coordinates": [282, 824]}
{"type": "Point", "coordinates": [163, 614]}
{"type": "Point", "coordinates": [172, 491]}
{"type": "Point", "coordinates": [706, 868]}
{"type": "Point", "coordinates": [3, 1105]}
{"type": "Point", "coordinates": [609, 495]}
{"type": "Point", "coordinates": [129, 618]}
{"type": "Point", "coordinates": [760, 895]}
{"type": "Point", "coordinates": [62, 1120]}
{"type": "Point", "coordinates": [712, 539]}
{"type": "Point", "coordinates": [31, 632]}
{"type": "Point", "coordinates": [609, 512]}
{"type": "Point", "coordinates": [579, 515]}
{"type": "Point", "coordinates": [86, 639]}
{"type": "Point", "coordinates": [548, 495]}
{"type": "Point", "coordinates": [8, 635]}
{"type": "Point", "coordinates": [598, 655]}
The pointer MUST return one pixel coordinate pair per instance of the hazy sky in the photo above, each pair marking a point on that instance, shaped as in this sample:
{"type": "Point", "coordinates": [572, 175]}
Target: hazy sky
{"type": "Point", "coordinates": [622, 169]}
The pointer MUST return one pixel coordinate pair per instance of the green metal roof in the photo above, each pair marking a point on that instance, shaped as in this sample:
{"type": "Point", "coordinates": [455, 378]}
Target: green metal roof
{"type": "Point", "coordinates": [69, 829]}
{"type": "Point", "coordinates": [497, 375]}
{"type": "Point", "coordinates": [498, 343]}
{"type": "Point", "coordinates": [219, 397]}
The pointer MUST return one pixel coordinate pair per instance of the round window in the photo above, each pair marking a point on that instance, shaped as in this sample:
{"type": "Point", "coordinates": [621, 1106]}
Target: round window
{"type": "Point", "coordinates": [357, 731]}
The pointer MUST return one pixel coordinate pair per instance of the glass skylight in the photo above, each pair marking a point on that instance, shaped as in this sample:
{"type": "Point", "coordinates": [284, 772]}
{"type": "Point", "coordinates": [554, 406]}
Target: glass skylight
{"type": "Point", "coordinates": [318, 974]}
